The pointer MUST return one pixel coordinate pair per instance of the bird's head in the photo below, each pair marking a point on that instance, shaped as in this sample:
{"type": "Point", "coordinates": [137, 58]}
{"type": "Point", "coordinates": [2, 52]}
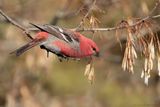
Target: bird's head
{"type": "Point", "coordinates": [94, 48]}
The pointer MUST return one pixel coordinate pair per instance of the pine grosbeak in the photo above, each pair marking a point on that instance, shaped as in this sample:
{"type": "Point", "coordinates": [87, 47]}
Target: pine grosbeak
{"type": "Point", "coordinates": [63, 42]}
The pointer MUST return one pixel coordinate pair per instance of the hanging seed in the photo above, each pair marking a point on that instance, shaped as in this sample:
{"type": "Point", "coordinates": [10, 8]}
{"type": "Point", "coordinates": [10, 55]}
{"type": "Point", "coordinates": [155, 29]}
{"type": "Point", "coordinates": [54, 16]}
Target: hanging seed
{"type": "Point", "coordinates": [158, 64]}
{"type": "Point", "coordinates": [142, 74]}
{"type": "Point", "coordinates": [87, 70]}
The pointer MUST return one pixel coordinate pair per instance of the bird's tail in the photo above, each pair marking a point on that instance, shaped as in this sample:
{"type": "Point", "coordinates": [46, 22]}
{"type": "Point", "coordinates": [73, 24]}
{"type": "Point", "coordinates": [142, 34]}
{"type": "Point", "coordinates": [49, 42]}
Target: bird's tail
{"type": "Point", "coordinates": [26, 47]}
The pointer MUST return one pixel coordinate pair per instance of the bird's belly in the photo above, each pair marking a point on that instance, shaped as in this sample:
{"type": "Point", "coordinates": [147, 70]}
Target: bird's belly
{"type": "Point", "coordinates": [70, 51]}
{"type": "Point", "coordinates": [64, 49]}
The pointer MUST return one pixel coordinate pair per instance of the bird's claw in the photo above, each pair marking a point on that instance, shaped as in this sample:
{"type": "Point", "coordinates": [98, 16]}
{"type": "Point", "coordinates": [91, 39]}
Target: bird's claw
{"type": "Point", "coordinates": [47, 53]}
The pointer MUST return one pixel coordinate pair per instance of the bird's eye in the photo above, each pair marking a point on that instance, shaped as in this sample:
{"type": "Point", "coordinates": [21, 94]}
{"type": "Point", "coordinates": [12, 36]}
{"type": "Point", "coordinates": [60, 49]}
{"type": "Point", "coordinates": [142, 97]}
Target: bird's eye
{"type": "Point", "coordinates": [96, 53]}
{"type": "Point", "coordinates": [94, 49]}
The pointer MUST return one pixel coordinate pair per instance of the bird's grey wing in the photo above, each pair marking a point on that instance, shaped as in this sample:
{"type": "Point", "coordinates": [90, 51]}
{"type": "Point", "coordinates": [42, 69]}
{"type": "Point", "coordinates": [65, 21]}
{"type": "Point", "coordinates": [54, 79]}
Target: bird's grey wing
{"type": "Point", "coordinates": [68, 36]}
{"type": "Point", "coordinates": [61, 33]}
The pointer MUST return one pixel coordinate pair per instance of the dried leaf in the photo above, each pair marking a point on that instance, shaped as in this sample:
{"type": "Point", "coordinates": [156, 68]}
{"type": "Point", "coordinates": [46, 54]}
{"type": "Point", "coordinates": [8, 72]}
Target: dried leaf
{"type": "Point", "coordinates": [142, 74]}
{"type": "Point", "coordinates": [158, 64]}
{"type": "Point", "coordinates": [91, 75]}
{"type": "Point", "coordinates": [87, 70]}
{"type": "Point", "coordinates": [146, 79]}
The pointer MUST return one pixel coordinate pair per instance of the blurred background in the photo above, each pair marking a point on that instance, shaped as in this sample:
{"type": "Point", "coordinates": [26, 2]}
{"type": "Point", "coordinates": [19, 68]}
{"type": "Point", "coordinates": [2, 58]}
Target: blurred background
{"type": "Point", "coordinates": [33, 80]}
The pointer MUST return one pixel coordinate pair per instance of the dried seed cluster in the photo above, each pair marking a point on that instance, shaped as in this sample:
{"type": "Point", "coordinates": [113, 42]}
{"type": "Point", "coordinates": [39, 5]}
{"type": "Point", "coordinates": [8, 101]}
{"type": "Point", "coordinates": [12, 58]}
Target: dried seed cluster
{"type": "Point", "coordinates": [89, 72]}
{"type": "Point", "coordinates": [147, 42]}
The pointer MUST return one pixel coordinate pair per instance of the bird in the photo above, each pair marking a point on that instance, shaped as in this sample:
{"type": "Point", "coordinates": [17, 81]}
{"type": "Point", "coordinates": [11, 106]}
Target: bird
{"type": "Point", "coordinates": [65, 43]}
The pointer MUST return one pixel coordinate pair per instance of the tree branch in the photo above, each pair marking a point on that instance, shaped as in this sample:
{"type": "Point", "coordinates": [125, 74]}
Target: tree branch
{"type": "Point", "coordinates": [150, 16]}
{"type": "Point", "coordinates": [119, 27]}
{"type": "Point", "coordinates": [26, 30]}
{"type": "Point", "coordinates": [8, 19]}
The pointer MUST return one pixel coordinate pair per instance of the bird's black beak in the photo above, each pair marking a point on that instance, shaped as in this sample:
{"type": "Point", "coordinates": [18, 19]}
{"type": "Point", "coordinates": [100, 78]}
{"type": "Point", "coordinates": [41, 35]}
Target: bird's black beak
{"type": "Point", "coordinates": [97, 54]}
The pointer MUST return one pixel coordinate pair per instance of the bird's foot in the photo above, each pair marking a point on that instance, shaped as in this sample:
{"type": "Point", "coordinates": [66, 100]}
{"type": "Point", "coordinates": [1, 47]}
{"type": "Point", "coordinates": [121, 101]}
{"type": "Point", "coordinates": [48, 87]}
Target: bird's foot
{"type": "Point", "coordinates": [47, 53]}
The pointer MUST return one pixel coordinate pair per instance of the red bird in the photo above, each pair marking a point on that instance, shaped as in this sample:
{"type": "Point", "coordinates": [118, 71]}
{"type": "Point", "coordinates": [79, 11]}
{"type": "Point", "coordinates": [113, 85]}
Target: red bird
{"type": "Point", "coordinates": [63, 42]}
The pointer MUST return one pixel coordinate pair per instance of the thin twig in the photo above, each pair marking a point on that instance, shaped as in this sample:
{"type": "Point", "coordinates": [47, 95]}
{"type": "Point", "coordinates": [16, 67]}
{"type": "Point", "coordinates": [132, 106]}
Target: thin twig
{"type": "Point", "coordinates": [155, 8]}
{"type": "Point", "coordinates": [86, 15]}
{"type": "Point", "coordinates": [8, 19]}
{"type": "Point", "coordinates": [88, 29]}
{"type": "Point", "coordinates": [150, 16]}
{"type": "Point", "coordinates": [119, 27]}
